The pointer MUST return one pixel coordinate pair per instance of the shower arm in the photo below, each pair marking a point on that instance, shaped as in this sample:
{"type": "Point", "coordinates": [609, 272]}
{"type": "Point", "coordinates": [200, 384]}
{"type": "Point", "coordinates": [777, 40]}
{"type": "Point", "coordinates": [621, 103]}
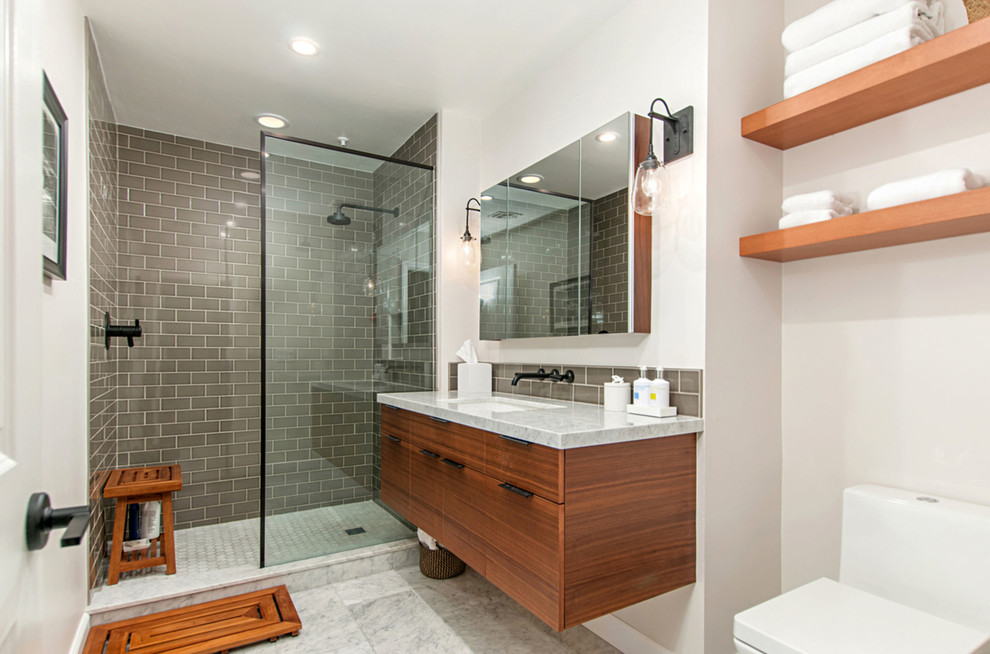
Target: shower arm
{"type": "Point", "coordinates": [346, 205]}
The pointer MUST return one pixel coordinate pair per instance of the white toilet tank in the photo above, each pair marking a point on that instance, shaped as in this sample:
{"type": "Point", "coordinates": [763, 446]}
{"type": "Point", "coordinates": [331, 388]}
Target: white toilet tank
{"type": "Point", "coordinates": [928, 553]}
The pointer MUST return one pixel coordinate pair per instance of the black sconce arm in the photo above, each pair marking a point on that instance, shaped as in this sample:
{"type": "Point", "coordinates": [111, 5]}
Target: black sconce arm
{"type": "Point", "coordinates": [678, 131]}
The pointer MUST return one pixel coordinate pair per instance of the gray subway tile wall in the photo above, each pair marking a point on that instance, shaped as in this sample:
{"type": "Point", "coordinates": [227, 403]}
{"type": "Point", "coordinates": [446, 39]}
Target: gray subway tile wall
{"type": "Point", "coordinates": [685, 384]}
{"type": "Point", "coordinates": [548, 256]}
{"type": "Point", "coordinates": [190, 270]}
{"type": "Point", "coordinates": [320, 359]}
{"type": "Point", "coordinates": [610, 263]}
{"type": "Point", "coordinates": [103, 381]}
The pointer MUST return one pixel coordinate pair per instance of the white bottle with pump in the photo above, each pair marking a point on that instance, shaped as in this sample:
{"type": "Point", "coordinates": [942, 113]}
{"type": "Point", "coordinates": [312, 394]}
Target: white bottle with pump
{"type": "Point", "coordinates": [641, 389]}
{"type": "Point", "coordinates": [659, 391]}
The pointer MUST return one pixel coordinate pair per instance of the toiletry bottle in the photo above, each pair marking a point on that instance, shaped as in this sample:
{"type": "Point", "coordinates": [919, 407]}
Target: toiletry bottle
{"type": "Point", "coordinates": [151, 520]}
{"type": "Point", "coordinates": [641, 389]}
{"type": "Point", "coordinates": [660, 390]}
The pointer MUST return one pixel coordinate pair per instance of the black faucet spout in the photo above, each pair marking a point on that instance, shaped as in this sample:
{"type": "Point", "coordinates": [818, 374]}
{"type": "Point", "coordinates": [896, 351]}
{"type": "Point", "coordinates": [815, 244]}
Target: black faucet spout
{"type": "Point", "coordinates": [539, 374]}
{"type": "Point", "coordinates": [554, 375]}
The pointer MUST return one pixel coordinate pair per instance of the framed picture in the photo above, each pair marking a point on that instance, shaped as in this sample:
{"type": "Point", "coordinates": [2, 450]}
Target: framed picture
{"type": "Point", "coordinates": [53, 168]}
{"type": "Point", "coordinates": [570, 302]}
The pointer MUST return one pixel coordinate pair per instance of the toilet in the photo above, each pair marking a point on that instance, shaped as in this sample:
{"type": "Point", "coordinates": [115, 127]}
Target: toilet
{"type": "Point", "coordinates": [914, 578]}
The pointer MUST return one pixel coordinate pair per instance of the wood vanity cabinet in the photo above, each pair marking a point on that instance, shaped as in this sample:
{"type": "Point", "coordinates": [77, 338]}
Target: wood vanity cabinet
{"type": "Point", "coordinates": [570, 534]}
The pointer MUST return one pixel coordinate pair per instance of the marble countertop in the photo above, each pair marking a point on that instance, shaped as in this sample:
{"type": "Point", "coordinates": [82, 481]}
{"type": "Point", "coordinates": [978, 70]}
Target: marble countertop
{"type": "Point", "coordinates": [561, 425]}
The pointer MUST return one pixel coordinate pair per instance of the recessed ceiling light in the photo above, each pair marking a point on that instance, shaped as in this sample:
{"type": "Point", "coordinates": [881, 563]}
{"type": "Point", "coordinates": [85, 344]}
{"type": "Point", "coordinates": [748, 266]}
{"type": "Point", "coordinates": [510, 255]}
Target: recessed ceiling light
{"type": "Point", "coordinates": [249, 174]}
{"type": "Point", "coordinates": [607, 137]}
{"type": "Point", "coordinates": [271, 121]}
{"type": "Point", "coordinates": [305, 47]}
{"type": "Point", "coordinates": [486, 198]}
{"type": "Point", "coordinates": [530, 178]}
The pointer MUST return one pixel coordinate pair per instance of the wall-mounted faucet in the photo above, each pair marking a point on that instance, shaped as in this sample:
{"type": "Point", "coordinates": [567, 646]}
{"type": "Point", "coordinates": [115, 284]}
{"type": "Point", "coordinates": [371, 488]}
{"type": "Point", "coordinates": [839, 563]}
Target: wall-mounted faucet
{"type": "Point", "coordinates": [554, 375]}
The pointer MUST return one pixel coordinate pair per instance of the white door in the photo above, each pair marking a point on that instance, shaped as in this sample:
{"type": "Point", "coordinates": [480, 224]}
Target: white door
{"type": "Point", "coordinates": [20, 315]}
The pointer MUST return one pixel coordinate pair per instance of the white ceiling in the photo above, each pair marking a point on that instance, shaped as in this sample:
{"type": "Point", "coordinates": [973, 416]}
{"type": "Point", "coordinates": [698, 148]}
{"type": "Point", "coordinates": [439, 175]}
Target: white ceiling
{"type": "Point", "coordinates": [205, 68]}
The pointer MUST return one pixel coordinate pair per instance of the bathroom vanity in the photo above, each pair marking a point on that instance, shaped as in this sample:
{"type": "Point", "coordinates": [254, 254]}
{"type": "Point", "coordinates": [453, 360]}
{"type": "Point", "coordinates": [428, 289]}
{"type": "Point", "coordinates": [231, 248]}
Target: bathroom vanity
{"type": "Point", "coordinates": [573, 511]}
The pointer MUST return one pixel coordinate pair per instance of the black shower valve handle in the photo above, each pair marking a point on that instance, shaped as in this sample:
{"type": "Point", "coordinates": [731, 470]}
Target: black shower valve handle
{"type": "Point", "coordinates": [130, 332]}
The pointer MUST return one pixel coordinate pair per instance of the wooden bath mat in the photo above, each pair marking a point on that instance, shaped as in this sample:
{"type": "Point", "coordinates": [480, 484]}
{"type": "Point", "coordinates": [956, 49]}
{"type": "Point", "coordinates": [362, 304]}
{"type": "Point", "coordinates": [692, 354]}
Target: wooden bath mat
{"type": "Point", "coordinates": [204, 628]}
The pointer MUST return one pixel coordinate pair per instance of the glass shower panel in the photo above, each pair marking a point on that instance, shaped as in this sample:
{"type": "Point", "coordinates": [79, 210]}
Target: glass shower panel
{"type": "Point", "coordinates": [349, 311]}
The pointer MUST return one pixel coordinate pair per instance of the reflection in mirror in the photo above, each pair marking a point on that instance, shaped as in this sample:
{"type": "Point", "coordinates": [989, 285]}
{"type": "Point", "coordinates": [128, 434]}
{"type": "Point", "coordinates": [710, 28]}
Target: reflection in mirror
{"type": "Point", "coordinates": [555, 242]}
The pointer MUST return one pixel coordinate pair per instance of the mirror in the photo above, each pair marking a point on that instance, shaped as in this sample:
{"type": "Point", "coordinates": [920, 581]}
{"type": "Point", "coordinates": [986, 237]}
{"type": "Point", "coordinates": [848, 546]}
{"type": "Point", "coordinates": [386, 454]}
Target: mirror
{"type": "Point", "coordinates": [557, 242]}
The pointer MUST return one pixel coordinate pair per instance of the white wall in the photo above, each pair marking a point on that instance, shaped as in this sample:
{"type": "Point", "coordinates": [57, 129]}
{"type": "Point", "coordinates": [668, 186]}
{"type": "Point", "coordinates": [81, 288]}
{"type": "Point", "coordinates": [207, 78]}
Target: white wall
{"type": "Point", "coordinates": [65, 335]}
{"type": "Point", "coordinates": [648, 49]}
{"type": "Point", "coordinates": [742, 336]}
{"type": "Point", "coordinates": [885, 352]}
{"type": "Point", "coordinates": [459, 150]}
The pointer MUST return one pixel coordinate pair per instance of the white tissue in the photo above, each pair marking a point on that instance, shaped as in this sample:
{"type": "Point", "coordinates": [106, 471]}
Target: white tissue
{"type": "Point", "coordinates": [467, 353]}
{"type": "Point", "coordinates": [429, 542]}
{"type": "Point", "coordinates": [616, 379]}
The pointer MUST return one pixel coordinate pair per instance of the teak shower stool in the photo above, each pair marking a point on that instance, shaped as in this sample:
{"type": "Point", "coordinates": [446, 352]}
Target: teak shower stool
{"type": "Point", "coordinates": [132, 485]}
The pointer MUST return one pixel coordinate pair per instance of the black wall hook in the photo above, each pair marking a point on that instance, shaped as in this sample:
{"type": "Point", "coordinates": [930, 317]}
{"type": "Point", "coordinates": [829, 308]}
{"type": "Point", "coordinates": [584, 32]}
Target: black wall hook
{"type": "Point", "coordinates": [130, 332]}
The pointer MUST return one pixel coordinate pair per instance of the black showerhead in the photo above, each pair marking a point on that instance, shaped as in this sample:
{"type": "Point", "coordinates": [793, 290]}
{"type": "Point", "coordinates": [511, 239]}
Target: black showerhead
{"type": "Point", "coordinates": [338, 217]}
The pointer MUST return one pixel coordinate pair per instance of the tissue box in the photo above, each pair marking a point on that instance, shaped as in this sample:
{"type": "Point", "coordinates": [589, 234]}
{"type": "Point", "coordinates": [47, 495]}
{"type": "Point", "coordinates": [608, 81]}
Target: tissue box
{"type": "Point", "coordinates": [474, 378]}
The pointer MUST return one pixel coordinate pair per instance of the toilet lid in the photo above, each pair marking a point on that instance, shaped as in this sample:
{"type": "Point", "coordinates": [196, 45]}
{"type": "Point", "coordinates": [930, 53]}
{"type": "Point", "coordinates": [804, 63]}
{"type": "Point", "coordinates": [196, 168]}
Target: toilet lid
{"type": "Point", "coordinates": [825, 617]}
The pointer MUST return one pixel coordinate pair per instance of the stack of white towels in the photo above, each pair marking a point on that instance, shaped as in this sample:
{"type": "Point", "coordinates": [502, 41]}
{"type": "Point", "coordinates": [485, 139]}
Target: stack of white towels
{"type": "Point", "coordinates": [846, 35]}
{"type": "Point", "coordinates": [926, 187]}
{"type": "Point", "coordinates": [815, 207]}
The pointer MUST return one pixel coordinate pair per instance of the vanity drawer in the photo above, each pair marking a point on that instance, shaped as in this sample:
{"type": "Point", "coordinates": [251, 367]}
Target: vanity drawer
{"type": "Point", "coordinates": [465, 521]}
{"type": "Point", "coordinates": [426, 485]}
{"type": "Point", "coordinates": [395, 422]}
{"type": "Point", "coordinates": [525, 548]}
{"type": "Point", "coordinates": [464, 445]}
{"type": "Point", "coordinates": [536, 468]}
{"type": "Point", "coordinates": [395, 473]}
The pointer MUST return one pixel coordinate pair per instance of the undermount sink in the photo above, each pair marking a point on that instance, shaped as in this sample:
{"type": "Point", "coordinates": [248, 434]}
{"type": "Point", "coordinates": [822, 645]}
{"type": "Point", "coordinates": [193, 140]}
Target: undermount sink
{"type": "Point", "coordinates": [500, 404]}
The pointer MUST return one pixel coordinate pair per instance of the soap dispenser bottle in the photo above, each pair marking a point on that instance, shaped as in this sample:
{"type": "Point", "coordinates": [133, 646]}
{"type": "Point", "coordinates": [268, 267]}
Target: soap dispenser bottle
{"type": "Point", "coordinates": [641, 389]}
{"type": "Point", "coordinates": [660, 391]}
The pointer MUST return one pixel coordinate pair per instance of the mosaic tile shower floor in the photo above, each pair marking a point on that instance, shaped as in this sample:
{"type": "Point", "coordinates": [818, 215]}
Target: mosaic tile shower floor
{"type": "Point", "coordinates": [211, 555]}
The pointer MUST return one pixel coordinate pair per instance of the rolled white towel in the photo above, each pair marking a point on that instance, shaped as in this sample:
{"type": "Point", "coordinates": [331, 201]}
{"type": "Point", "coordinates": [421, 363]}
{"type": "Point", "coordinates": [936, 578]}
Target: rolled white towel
{"type": "Point", "coordinates": [841, 204]}
{"type": "Point", "coordinates": [833, 17]}
{"type": "Point", "coordinates": [887, 45]}
{"type": "Point", "coordinates": [806, 218]}
{"type": "Point", "coordinates": [929, 17]}
{"type": "Point", "coordinates": [926, 187]}
{"type": "Point", "coordinates": [429, 542]}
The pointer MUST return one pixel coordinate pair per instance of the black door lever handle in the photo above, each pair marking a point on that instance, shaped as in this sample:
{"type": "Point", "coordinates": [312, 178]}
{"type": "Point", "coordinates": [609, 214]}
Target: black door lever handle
{"type": "Point", "coordinates": [42, 518]}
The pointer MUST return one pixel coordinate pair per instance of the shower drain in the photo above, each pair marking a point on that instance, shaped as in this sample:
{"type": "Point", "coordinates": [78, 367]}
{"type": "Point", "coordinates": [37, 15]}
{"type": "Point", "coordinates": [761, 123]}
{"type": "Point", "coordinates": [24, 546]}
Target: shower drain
{"type": "Point", "coordinates": [354, 531]}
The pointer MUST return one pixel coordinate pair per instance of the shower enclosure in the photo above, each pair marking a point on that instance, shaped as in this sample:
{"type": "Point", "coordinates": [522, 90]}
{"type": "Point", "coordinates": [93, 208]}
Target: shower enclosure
{"type": "Point", "coordinates": [348, 297]}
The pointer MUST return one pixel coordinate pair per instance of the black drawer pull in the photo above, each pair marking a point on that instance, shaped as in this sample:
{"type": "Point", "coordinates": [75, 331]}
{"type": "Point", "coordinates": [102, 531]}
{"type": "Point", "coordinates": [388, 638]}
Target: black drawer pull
{"type": "Point", "coordinates": [394, 439]}
{"type": "Point", "coordinates": [517, 441]}
{"type": "Point", "coordinates": [453, 464]}
{"type": "Point", "coordinates": [516, 490]}
{"type": "Point", "coordinates": [435, 419]}
{"type": "Point", "coordinates": [389, 406]}
{"type": "Point", "coordinates": [430, 454]}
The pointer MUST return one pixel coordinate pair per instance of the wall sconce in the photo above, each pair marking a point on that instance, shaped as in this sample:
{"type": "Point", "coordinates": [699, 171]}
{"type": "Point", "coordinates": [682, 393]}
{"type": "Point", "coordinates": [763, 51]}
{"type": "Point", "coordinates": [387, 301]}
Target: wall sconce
{"type": "Point", "coordinates": [678, 141]}
{"type": "Point", "coordinates": [467, 241]}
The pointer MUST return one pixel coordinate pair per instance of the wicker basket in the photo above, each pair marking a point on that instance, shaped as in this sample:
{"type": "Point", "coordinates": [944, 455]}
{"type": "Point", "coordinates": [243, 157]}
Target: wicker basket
{"type": "Point", "coordinates": [439, 563]}
{"type": "Point", "coordinates": [977, 9]}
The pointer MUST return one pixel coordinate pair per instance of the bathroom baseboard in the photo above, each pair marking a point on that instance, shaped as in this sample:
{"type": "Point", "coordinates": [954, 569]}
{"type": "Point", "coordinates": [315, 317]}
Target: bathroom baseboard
{"type": "Point", "coordinates": [79, 641]}
{"type": "Point", "coordinates": [622, 637]}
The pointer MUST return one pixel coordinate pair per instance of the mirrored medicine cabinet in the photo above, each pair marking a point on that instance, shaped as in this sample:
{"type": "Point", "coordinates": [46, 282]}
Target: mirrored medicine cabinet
{"type": "Point", "coordinates": [561, 252]}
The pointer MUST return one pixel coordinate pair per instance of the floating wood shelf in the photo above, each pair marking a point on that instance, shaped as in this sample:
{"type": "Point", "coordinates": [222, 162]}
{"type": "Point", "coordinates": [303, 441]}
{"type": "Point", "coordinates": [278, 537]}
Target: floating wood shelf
{"type": "Point", "coordinates": [949, 64]}
{"type": "Point", "coordinates": [952, 215]}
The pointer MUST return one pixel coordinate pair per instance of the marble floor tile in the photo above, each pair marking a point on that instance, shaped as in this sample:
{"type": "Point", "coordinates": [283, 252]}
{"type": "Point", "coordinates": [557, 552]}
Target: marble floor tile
{"type": "Point", "coordinates": [371, 587]}
{"type": "Point", "coordinates": [488, 620]}
{"type": "Point", "coordinates": [402, 623]}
